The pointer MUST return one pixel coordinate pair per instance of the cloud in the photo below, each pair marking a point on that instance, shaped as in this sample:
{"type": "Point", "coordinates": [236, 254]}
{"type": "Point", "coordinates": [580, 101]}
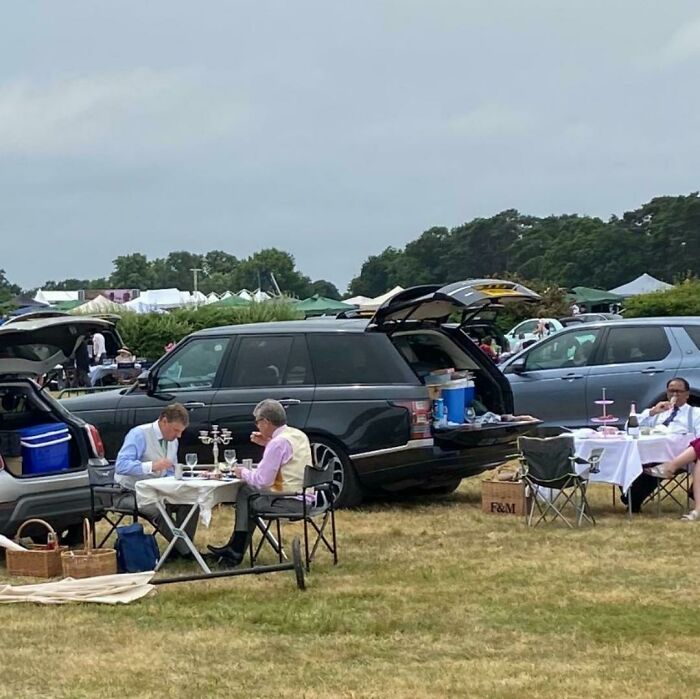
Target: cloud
{"type": "Point", "coordinates": [683, 45]}
{"type": "Point", "coordinates": [119, 113]}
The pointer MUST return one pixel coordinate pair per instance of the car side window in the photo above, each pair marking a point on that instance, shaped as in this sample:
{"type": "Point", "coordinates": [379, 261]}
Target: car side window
{"type": "Point", "coordinates": [563, 350]}
{"type": "Point", "coordinates": [355, 358]}
{"type": "Point", "coordinates": [694, 334]}
{"type": "Point", "coordinates": [636, 344]}
{"type": "Point", "coordinates": [195, 365]}
{"type": "Point", "coordinates": [527, 327]}
{"type": "Point", "coordinates": [299, 372]}
{"type": "Point", "coordinates": [261, 360]}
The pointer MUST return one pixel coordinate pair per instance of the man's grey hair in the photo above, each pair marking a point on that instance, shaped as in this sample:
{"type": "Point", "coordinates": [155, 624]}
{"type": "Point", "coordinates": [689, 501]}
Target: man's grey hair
{"type": "Point", "coordinates": [271, 410]}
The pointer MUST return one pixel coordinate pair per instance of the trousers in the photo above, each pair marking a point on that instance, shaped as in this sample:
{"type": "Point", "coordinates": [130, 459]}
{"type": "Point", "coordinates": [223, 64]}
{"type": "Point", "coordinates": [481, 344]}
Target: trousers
{"type": "Point", "coordinates": [250, 502]}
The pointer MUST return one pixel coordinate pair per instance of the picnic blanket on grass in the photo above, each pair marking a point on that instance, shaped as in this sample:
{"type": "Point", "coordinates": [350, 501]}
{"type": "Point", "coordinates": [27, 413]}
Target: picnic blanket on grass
{"type": "Point", "coordinates": [106, 589]}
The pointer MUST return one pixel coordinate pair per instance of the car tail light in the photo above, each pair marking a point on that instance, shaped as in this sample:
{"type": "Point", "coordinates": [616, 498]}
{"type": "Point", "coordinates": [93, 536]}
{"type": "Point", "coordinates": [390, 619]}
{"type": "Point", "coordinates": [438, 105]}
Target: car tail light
{"type": "Point", "coordinates": [98, 449]}
{"type": "Point", "coordinates": [420, 417]}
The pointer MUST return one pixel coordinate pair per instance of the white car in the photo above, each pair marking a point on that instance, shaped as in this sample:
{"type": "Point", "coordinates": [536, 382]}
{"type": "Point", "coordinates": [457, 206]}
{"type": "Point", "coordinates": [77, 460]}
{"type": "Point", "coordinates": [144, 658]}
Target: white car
{"type": "Point", "coordinates": [523, 334]}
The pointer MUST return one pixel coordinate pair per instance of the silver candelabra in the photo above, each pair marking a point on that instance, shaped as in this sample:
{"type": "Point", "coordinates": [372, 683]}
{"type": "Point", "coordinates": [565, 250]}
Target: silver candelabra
{"type": "Point", "coordinates": [215, 436]}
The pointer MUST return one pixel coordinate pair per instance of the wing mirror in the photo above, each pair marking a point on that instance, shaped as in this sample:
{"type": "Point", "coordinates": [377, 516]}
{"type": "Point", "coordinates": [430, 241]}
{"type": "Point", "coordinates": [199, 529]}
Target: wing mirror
{"type": "Point", "coordinates": [147, 382]}
{"type": "Point", "coordinates": [518, 366]}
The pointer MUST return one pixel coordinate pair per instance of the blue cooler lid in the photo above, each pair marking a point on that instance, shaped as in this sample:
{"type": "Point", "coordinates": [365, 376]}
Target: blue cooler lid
{"type": "Point", "coordinates": [55, 429]}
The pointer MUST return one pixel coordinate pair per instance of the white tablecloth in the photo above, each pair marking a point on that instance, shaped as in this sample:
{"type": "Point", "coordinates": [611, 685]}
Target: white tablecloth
{"type": "Point", "coordinates": [623, 457]}
{"type": "Point", "coordinates": [189, 491]}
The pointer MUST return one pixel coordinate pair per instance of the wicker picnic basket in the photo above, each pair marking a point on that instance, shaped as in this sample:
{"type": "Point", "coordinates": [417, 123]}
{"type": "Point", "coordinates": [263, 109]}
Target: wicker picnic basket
{"type": "Point", "coordinates": [38, 561]}
{"type": "Point", "coordinates": [89, 561]}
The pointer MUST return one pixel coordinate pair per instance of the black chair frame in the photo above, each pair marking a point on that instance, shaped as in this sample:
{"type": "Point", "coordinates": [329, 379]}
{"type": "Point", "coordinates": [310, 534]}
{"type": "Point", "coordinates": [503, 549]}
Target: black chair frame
{"type": "Point", "coordinates": [320, 481]}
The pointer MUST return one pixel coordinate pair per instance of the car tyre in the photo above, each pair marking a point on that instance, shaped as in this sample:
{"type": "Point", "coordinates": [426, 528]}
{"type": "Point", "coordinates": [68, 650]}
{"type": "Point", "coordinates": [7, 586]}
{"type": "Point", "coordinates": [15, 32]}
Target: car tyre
{"type": "Point", "coordinates": [345, 482]}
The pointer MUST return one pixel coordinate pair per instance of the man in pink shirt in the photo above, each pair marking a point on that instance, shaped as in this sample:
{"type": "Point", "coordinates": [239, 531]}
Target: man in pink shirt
{"type": "Point", "coordinates": [279, 473]}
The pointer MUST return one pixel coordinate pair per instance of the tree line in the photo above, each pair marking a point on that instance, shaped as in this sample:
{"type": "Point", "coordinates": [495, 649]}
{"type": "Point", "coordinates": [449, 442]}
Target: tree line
{"type": "Point", "coordinates": [219, 271]}
{"type": "Point", "coordinates": [661, 237]}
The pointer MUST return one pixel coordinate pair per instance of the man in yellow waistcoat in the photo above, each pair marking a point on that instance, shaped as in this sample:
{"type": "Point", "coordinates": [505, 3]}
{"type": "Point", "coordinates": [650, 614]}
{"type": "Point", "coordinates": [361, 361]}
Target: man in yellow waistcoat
{"type": "Point", "coordinates": [280, 471]}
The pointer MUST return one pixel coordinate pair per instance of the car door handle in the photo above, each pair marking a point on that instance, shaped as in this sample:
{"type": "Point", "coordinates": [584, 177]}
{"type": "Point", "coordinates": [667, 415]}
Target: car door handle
{"type": "Point", "coordinates": [290, 401]}
{"type": "Point", "coordinates": [651, 370]}
{"type": "Point", "coordinates": [192, 406]}
{"type": "Point", "coordinates": [571, 377]}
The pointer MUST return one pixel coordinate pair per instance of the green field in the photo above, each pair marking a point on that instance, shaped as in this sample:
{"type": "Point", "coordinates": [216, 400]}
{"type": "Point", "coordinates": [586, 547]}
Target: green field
{"type": "Point", "coordinates": [431, 598]}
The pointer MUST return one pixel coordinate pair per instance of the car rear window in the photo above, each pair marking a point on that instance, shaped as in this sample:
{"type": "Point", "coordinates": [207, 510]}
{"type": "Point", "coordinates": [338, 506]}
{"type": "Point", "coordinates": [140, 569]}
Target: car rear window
{"type": "Point", "coordinates": [694, 333]}
{"type": "Point", "coordinates": [636, 344]}
{"type": "Point", "coordinates": [349, 358]}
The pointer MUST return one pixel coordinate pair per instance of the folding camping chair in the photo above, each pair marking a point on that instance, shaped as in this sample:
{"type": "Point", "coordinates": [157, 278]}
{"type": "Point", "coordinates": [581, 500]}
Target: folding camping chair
{"type": "Point", "coordinates": [677, 489]}
{"type": "Point", "coordinates": [110, 501]}
{"type": "Point", "coordinates": [548, 467]}
{"type": "Point", "coordinates": [316, 519]}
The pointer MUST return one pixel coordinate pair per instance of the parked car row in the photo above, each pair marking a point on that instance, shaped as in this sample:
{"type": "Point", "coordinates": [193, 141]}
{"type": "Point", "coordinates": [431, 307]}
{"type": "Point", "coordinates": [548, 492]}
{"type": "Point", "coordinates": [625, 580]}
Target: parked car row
{"type": "Point", "coordinates": [356, 387]}
{"type": "Point", "coordinates": [560, 377]}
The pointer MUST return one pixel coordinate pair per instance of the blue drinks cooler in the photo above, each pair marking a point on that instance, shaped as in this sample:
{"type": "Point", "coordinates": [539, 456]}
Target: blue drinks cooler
{"type": "Point", "coordinates": [453, 395]}
{"type": "Point", "coordinates": [458, 395]}
{"type": "Point", "coordinates": [45, 448]}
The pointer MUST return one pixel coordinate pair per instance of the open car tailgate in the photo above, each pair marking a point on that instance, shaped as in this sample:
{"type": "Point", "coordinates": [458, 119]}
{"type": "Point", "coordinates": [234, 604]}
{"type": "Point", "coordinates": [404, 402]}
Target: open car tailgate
{"type": "Point", "coordinates": [469, 435]}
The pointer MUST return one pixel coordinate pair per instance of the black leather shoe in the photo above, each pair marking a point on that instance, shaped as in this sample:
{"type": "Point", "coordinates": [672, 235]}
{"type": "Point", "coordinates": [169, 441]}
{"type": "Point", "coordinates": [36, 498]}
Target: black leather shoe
{"type": "Point", "coordinates": [228, 554]}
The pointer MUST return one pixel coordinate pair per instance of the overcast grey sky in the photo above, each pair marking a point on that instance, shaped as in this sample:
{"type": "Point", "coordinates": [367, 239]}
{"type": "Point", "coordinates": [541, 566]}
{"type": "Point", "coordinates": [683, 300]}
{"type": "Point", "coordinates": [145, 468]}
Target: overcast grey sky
{"type": "Point", "coordinates": [329, 129]}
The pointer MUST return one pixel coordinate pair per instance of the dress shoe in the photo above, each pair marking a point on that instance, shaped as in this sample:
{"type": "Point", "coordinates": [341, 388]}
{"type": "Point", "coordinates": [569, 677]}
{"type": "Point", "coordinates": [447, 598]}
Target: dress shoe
{"type": "Point", "coordinates": [228, 554]}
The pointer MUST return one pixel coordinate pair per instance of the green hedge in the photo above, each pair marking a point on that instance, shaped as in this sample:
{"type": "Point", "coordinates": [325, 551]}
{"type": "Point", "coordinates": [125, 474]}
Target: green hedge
{"type": "Point", "coordinates": [147, 334]}
{"type": "Point", "coordinates": [682, 300]}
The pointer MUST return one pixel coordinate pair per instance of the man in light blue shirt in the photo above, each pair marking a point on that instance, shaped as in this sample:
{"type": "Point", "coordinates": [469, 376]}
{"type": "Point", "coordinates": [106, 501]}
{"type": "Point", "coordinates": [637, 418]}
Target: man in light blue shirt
{"type": "Point", "coordinates": [150, 451]}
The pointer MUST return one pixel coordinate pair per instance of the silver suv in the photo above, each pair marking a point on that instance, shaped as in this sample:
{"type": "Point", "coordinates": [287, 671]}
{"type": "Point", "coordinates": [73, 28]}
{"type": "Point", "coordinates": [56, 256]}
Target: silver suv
{"type": "Point", "coordinates": [559, 378]}
{"type": "Point", "coordinates": [55, 489]}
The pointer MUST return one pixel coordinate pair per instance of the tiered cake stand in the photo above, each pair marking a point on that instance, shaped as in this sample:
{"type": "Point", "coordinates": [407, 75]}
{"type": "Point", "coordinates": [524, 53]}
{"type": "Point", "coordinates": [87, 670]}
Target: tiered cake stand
{"type": "Point", "coordinates": [604, 420]}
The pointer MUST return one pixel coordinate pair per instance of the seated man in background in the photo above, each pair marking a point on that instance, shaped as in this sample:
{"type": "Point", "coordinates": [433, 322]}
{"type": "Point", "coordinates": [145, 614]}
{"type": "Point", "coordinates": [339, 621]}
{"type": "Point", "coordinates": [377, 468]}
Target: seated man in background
{"type": "Point", "coordinates": [674, 415]}
{"type": "Point", "coordinates": [280, 471]}
{"type": "Point", "coordinates": [124, 356]}
{"type": "Point", "coordinates": [150, 451]}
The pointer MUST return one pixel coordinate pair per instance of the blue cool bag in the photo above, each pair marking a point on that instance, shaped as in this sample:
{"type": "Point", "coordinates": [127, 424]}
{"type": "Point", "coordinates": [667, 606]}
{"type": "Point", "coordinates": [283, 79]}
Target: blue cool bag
{"type": "Point", "coordinates": [136, 550]}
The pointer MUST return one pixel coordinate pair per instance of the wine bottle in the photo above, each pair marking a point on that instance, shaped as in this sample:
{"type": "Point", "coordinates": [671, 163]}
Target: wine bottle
{"type": "Point", "coordinates": [633, 422]}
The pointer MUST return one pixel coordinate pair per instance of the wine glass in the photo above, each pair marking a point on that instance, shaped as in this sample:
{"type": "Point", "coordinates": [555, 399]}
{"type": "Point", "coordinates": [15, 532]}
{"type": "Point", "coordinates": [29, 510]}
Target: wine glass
{"type": "Point", "coordinates": [191, 461]}
{"type": "Point", "coordinates": [229, 458]}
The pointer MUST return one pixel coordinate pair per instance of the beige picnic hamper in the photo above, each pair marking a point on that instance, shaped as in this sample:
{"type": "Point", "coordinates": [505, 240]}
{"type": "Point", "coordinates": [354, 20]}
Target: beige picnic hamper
{"type": "Point", "coordinates": [39, 560]}
{"type": "Point", "coordinates": [89, 561]}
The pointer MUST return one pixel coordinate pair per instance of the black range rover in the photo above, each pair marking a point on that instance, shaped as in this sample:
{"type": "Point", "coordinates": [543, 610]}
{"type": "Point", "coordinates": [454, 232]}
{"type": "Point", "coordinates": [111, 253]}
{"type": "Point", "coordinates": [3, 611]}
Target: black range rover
{"type": "Point", "coordinates": [356, 387]}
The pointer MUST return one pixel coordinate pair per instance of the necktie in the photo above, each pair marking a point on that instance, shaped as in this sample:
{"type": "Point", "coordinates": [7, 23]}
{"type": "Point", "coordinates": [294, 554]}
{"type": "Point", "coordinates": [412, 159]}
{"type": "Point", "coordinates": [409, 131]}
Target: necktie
{"type": "Point", "coordinates": [671, 417]}
{"type": "Point", "coordinates": [164, 446]}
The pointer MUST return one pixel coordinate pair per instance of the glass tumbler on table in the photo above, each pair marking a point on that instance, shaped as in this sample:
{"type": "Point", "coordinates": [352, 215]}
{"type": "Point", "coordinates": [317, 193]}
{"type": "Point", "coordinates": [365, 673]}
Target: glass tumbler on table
{"type": "Point", "coordinates": [191, 461]}
{"type": "Point", "coordinates": [230, 459]}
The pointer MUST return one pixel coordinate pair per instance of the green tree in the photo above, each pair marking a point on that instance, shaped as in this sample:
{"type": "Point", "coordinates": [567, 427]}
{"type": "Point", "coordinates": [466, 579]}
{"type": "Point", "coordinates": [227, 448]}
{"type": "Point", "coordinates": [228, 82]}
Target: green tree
{"type": "Point", "coordinates": [667, 229]}
{"type": "Point", "coordinates": [219, 262]}
{"type": "Point", "coordinates": [424, 260]}
{"type": "Point", "coordinates": [131, 272]}
{"type": "Point", "coordinates": [258, 271]}
{"type": "Point", "coordinates": [378, 274]}
{"type": "Point", "coordinates": [176, 270]}
{"type": "Point", "coordinates": [322, 287]}
{"type": "Point", "coordinates": [7, 289]}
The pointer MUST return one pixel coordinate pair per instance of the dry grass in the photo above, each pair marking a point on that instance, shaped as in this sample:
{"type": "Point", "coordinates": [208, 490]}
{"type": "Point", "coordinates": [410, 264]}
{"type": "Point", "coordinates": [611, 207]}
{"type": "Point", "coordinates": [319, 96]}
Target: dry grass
{"type": "Point", "coordinates": [432, 598]}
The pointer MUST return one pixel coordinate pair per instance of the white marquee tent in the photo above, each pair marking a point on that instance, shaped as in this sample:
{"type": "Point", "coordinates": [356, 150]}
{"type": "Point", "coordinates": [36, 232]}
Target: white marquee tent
{"type": "Point", "coordinates": [375, 303]}
{"type": "Point", "coordinates": [357, 300]}
{"type": "Point", "coordinates": [643, 284]}
{"type": "Point", "coordinates": [100, 304]}
{"type": "Point", "coordinates": [56, 296]}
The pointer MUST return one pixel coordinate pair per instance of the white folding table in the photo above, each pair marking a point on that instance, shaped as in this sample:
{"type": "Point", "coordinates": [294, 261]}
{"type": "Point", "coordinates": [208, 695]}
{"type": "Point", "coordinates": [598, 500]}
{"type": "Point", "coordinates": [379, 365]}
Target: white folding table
{"type": "Point", "coordinates": [204, 493]}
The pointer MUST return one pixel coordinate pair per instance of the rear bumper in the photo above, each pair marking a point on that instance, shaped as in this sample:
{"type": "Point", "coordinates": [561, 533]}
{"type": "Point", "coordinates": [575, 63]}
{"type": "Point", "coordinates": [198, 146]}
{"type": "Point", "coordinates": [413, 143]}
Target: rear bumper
{"type": "Point", "coordinates": [425, 464]}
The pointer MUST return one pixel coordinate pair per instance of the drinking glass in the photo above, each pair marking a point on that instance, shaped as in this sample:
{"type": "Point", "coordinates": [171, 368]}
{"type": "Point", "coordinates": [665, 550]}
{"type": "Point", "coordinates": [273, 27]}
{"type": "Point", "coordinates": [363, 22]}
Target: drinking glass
{"type": "Point", "coordinates": [191, 461]}
{"type": "Point", "coordinates": [230, 457]}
